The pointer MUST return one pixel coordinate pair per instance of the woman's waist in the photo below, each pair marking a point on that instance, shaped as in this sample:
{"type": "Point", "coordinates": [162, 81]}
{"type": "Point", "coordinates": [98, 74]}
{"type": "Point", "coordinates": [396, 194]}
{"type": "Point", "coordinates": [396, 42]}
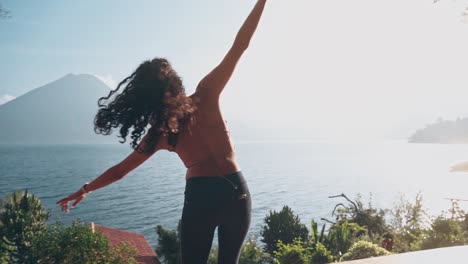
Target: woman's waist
{"type": "Point", "coordinates": [213, 167]}
{"type": "Point", "coordinates": [216, 187]}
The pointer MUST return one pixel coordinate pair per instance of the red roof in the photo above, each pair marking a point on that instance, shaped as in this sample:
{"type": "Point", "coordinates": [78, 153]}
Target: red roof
{"type": "Point", "coordinates": [145, 254]}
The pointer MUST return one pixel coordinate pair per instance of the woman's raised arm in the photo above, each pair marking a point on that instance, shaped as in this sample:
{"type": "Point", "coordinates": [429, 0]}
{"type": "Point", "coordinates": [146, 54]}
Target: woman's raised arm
{"type": "Point", "coordinates": [111, 175]}
{"type": "Point", "coordinates": [213, 84]}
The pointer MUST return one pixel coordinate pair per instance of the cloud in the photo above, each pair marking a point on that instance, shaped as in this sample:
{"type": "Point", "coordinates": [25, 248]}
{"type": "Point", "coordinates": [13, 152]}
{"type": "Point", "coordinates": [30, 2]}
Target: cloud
{"type": "Point", "coordinates": [6, 98]}
{"type": "Point", "coordinates": [108, 80]}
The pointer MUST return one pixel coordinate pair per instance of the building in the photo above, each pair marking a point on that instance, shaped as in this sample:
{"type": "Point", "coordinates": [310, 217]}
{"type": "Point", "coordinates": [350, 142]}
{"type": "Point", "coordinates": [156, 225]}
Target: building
{"type": "Point", "coordinates": [145, 254]}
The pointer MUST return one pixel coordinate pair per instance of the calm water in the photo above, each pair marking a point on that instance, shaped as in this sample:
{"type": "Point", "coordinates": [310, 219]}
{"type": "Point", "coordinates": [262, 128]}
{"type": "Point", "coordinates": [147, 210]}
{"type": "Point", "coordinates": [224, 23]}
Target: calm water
{"type": "Point", "coordinates": [299, 174]}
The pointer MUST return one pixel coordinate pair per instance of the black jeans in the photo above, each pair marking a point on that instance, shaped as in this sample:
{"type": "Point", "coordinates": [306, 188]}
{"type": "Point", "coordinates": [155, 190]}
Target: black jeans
{"type": "Point", "coordinates": [211, 202]}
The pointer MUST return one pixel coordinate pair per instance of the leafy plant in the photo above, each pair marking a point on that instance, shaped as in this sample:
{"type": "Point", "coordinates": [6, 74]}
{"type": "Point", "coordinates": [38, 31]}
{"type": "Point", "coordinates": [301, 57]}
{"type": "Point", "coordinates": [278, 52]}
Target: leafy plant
{"type": "Point", "coordinates": [364, 249]}
{"type": "Point", "coordinates": [78, 244]}
{"type": "Point", "coordinates": [252, 254]}
{"type": "Point", "coordinates": [355, 212]}
{"type": "Point", "coordinates": [292, 253]}
{"type": "Point", "coordinates": [22, 216]}
{"type": "Point", "coordinates": [321, 255]}
{"type": "Point", "coordinates": [444, 232]}
{"type": "Point", "coordinates": [408, 223]}
{"type": "Point", "coordinates": [284, 226]}
{"type": "Point", "coordinates": [315, 236]}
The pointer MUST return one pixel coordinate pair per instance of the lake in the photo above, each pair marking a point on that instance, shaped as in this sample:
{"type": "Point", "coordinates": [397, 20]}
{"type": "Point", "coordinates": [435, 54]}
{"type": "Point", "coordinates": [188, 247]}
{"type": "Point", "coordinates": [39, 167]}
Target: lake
{"type": "Point", "coordinates": [300, 174]}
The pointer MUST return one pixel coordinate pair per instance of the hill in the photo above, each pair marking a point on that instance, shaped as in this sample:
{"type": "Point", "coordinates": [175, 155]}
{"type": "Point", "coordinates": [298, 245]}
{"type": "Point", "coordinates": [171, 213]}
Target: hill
{"type": "Point", "coordinates": [61, 112]}
{"type": "Point", "coordinates": [443, 131]}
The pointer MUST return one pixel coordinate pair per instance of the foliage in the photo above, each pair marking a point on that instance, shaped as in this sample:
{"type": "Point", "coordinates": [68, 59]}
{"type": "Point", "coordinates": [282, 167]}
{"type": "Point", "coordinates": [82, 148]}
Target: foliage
{"type": "Point", "coordinates": [292, 253]}
{"type": "Point", "coordinates": [4, 252]}
{"type": "Point", "coordinates": [22, 216]}
{"type": "Point", "coordinates": [78, 244]}
{"type": "Point", "coordinates": [123, 253]}
{"type": "Point", "coordinates": [315, 236]}
{"type": "Point", "coordinates": [169, 244]}
{"type": "Point", "coordinates": [213, 257]}
{"type": "Point", "coordinates": [355, 212]}
{"type": "Point", "coordinates": [445, 232]}
{"type": "Point", "coordinates": [252, 254]}
{"type": "Point", "coordinates": [318, 243]}
{"type": "Point", "coordinates": [341, 236]}
{"type": "Point", "coordinates": [364, 249]}
{"type": "Point", "coordinates": [284, 226]}
{"type": "Point", "coordinates": [408, 223]}
{"type": "Point", "coordinates": [321, 255]}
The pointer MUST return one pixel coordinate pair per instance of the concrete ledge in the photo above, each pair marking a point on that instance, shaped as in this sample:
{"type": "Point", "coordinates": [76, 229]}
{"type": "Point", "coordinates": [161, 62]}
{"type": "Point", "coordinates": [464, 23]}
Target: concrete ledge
{"type": "Point", "coordinates": [457, 254]}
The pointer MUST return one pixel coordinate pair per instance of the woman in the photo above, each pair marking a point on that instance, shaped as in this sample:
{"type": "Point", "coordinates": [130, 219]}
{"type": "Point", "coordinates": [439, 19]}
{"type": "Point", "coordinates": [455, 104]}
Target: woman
{"type": "Point", "coordinates": [216, 193]}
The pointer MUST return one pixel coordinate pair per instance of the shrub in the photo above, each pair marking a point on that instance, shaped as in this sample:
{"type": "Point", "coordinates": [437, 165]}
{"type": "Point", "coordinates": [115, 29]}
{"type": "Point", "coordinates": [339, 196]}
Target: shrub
{"type": "Point", "coordinates": [356, 212]}
{"type": "Point", "coordinates": [78, 244]}
{"type": "Point", "coordinates": [321, 255]}
{"type": "Point", "coordinates": [22, 216]}
{"type": "Point", "coordinates": [284, 226]}
{"type": "Point", "coordinates": [364, 249]}
{"type": "Point", "coordinates": [444, 233]}
{"type": "Point", "coordinates": [169, 244]}
{"type": "Point", "coordinates": [293, 253]}
{"type": "Point", "coordinates": [341, 236]}
{"type": "Point", "coordinates": [252, 254]}
{"type": "Point", "coordinates": [407, 223]}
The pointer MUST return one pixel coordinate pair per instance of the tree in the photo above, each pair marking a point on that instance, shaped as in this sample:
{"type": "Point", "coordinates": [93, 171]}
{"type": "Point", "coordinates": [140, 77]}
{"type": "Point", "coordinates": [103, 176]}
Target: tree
{"type": "Point", "coordinates": [284, 226]}
{"type": "Point", "coordinates": [169, 244]}
{"type": "Point", "coordinates": [22, 216]}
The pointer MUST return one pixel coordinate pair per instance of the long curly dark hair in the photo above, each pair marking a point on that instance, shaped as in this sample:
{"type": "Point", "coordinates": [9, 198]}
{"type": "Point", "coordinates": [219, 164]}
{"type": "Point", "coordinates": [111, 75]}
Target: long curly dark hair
{"type": "Point", "coordinates": [153, 96]}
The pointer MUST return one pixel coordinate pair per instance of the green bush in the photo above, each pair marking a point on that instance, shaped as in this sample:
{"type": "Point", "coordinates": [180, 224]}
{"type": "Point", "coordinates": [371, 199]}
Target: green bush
{"type": "Point", "coordinates": [293, 253]}
{"type": "Point", "coordinates": [366, 216]}
{"type": "Point", "coordinates": [407, 223]}
{"type": "Point", "coordinates": [341, 236]}
{"type": "Point", "coordinates": [364, 249]}
{"type": "Point", "coordinates": [4, 252]}
{"type": "Point", "coordinates": [169, 244]}
{"type": "Point", "coordinates": [321, 255]}
{"type": "Point", "coordinates": [284, 226]}
{"type": "Point", "coordinates": [252, 254]}
{"type": "Point", "coordinates": [444, 233]}
{"type": "Point", "coordinates": [78, 244]}
{"type": "Point", "coordinates": [22, 216]}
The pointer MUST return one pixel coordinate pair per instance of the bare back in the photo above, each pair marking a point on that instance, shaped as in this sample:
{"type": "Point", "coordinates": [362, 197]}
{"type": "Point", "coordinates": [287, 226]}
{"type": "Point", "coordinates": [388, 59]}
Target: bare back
{"type": "Point", "coordinates": [205, 146]}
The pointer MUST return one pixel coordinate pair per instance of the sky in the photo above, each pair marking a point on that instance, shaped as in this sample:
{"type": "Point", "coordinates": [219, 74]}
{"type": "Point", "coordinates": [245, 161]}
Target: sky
{"type": "Point", "coordinates": [321, 69]}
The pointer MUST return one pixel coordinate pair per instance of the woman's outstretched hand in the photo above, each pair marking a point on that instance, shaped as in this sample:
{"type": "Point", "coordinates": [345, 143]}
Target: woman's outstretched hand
{"type": "Point", "coordinates": [77, 197]}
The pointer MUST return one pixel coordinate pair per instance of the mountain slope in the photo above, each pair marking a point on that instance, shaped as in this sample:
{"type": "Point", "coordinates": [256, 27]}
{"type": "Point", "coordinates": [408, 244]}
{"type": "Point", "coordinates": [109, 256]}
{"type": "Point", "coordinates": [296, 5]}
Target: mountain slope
{"type": "Point", "coordinates": [60, 112]}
